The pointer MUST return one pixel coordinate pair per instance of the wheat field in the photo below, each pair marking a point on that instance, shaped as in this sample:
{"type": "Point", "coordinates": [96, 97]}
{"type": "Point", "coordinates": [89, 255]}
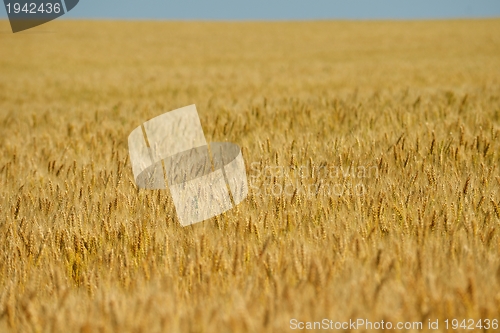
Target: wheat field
{"type": "Point", "coordinates": [372, 152]}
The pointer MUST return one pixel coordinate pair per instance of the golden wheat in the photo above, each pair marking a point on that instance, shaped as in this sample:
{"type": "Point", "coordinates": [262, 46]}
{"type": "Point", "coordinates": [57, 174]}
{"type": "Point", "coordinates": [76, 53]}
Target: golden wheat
{"type": "Point", "coordinates": [372, 152]}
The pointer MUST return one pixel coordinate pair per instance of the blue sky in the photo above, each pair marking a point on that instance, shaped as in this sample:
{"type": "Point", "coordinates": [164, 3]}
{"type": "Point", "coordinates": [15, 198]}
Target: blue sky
{"type": "Point", "coordinates": [282, 9]}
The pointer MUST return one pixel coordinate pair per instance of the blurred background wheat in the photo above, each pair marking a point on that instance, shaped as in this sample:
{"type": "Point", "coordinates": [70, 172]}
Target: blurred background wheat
{"type": "Point", "coordinates": [83, 250]}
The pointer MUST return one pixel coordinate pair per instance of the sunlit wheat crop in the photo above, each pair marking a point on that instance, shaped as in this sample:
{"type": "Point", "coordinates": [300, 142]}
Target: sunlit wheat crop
{"type": "Point", "coordinates": [372, 152]}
